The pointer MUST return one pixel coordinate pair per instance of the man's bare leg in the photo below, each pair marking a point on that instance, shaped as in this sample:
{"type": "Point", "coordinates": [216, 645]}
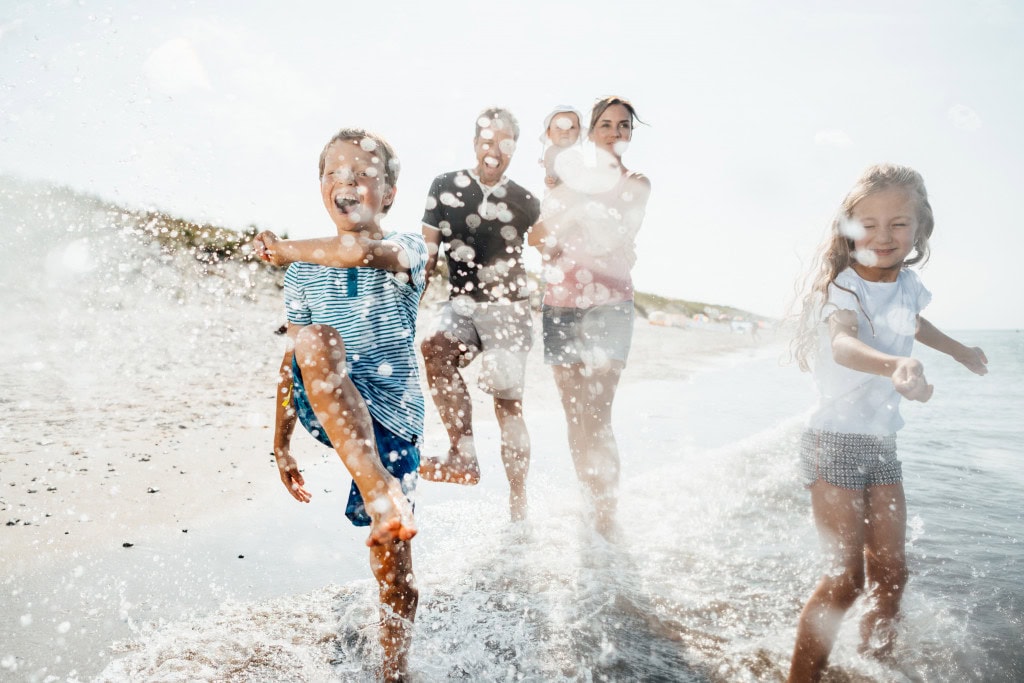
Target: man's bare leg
{"type": "Point", "coordinates": [442, 356]}
{"type": "Point", "coordinates": [392, 567]}
{"type": "Point", "coordinates": [515, 453]}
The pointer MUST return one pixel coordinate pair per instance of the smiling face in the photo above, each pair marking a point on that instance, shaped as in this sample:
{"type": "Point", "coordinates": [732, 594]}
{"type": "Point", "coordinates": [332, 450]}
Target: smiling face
{"type": "Point", "coordinates": [494, 149]}
{"type": "Point", "coordinates": [564, 129]}
{"type": "Point", "coordinates": [353, 184]}
{"type": "Point", "coordinates": [612, 130]}
{"type": "Point", "coordinates": [883, 226]}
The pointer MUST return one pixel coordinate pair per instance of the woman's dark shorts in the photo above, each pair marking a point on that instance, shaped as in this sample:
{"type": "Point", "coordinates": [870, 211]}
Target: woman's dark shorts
{"type": "Point", "coordinates": [592, 336]}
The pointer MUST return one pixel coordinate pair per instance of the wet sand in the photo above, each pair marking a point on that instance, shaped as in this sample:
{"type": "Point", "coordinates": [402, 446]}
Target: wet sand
{"type": "Point", "coordinates": [136, 478]}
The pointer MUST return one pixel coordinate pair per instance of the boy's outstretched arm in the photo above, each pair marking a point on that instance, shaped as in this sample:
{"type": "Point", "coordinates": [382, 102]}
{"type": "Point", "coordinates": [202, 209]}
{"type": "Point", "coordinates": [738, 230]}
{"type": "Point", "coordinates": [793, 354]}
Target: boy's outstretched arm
{"type": "Point", "coordinates": [339, 251]}
{"type": "Point", "coordinates": [907, 373]}
{"type": "Point", "coordinates": [284, 425]}
{"type": "Point", "coordinates": [971, 357]}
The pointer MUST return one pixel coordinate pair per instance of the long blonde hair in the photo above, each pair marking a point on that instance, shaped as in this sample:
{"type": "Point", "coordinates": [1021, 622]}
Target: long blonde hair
{"type": "Point", "coordinates": [836, 253]}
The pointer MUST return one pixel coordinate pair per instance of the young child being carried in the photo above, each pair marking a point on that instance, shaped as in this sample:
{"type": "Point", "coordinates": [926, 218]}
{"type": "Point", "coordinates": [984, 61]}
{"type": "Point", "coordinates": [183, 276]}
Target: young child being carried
{"type": "Point", "coordinates": [859, 322]}
{"type": "Point", "coordinates": [562, 130]}
{"type": "Point", "coordinates": [349, 372]}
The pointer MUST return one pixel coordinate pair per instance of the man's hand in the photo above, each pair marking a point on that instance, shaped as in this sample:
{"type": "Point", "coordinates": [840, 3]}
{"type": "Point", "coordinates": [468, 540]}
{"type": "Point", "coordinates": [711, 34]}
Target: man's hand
{"type": "Point", "coordinates": [291, 477]}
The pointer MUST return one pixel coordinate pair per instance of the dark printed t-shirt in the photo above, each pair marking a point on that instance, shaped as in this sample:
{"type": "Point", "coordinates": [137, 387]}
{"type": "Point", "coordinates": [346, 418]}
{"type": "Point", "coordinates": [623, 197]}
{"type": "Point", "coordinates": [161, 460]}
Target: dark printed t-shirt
{"type": "Point", "coordinates": [482, 231]}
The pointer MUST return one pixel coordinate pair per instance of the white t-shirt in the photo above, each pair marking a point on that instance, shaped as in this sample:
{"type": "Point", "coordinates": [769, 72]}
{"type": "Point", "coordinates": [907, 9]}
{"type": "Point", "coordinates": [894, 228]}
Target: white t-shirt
{"type": "Point", "coordinates": [855, 402]}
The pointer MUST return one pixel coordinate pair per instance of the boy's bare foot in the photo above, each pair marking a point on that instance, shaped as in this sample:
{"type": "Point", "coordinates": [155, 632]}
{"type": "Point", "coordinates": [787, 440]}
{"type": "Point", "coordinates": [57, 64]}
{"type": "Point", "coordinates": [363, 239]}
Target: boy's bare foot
{"type": "Point", "coordinates": [391, 516]}
{"type": "Point", "coordinates": [395, 635]}
{"type": "Point", "coordinates": [457, 468]}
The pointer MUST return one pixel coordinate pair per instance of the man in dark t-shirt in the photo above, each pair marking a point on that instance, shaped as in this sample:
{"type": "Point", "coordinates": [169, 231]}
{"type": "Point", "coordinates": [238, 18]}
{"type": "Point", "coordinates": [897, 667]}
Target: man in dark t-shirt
{"type": "Point", "coordinates": [480, 218]}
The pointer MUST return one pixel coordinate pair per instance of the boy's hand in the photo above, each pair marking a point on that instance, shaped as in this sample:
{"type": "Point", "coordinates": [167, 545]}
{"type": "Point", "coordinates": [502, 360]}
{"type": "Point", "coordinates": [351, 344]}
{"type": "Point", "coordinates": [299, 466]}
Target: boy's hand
{"type": "Point", "coordinates": [909, 380]}
{"type": "Point", "coordinates": [973, 358]}
{"type": "Point", "coordinates": [265, 244]}
{"type": "Point", "coordinates": [291, 477]}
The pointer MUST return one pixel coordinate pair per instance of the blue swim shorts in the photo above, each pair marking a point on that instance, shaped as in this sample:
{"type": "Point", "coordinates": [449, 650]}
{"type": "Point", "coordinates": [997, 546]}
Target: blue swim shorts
{"type": "Point", "coordinates": [399, 456]}
{"type": "Point", "coordinates": [592, 336]}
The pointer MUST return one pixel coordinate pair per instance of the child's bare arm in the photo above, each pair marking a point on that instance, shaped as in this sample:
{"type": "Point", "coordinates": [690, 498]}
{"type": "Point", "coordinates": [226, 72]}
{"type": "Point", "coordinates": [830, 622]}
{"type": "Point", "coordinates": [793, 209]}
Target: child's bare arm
{"type": "Point", "coordinates": [284, 425]}
{"type": "Point", "coordinates": [340, 251]}
{"type": "Point", "coordinates": [971, 357]}
{"type": "Point", "coordinates": [432, 236]}
{"type": "Point", "coordinates": [907, 373]}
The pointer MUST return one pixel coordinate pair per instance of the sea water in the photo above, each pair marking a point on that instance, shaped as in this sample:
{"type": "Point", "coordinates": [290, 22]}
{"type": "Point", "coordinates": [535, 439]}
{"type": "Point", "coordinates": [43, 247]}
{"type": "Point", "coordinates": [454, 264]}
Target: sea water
{"type": "Point", "coordinates": [716, 553]}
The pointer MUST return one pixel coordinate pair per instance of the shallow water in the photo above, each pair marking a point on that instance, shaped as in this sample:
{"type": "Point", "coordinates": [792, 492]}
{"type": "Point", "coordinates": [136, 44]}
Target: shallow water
{"type": "Point", "coordinates": [717, 553]}
{"type": "Point", "coordinates": [715, 556]}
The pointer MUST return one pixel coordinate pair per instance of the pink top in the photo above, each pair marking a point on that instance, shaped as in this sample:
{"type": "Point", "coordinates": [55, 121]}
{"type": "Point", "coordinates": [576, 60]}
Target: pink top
{"type": "Point", "coordinates": [594, 242]}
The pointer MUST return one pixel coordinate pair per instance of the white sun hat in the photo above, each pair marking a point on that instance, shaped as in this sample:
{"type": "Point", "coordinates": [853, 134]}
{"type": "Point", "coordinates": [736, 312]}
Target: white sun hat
{"type": "Point", "coordinates": [560, 109]}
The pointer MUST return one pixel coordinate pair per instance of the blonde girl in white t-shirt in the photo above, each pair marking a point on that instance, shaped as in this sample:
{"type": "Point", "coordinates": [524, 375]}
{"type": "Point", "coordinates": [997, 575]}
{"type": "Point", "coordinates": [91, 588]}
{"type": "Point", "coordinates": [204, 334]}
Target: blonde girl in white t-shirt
{"type": "Point", "coordinates": [859, 321]}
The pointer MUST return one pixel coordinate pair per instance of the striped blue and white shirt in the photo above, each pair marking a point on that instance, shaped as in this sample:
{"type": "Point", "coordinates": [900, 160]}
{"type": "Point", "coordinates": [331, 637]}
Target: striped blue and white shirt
{"type": "Point", "coordinates": [374, 311]}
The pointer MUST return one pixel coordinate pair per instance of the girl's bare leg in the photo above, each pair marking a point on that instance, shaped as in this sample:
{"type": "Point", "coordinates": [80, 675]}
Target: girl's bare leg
{"type": "Point", "coordinates": [839, 516]}
{"type": "Point", "coordinates": [392, 567]}
{"type": "Point", "coordinates": [886, 561]}
{"type": "Point", "coordinates": [338, 405]}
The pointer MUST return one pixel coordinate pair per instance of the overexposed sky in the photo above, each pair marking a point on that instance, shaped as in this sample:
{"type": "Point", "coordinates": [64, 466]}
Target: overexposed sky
{"type": "Point", "coordinates": [760, 117]}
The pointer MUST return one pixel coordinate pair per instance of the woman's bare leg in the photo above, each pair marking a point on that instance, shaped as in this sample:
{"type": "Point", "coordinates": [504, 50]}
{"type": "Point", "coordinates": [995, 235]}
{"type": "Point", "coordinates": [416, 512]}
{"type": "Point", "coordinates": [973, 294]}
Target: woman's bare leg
{"type": "Point", "coordinates": [587, 399]}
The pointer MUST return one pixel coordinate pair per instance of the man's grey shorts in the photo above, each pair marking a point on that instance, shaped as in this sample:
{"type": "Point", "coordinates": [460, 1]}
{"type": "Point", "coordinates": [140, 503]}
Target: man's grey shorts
{"type": "Point", "coordinates": [849, 461]}
{"type": "Point", "coordinates": [502, 333]}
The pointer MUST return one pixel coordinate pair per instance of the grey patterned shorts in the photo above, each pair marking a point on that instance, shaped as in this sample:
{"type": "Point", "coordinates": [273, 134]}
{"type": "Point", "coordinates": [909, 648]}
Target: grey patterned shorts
{"type": "Point", "coordinates": [849, 461]}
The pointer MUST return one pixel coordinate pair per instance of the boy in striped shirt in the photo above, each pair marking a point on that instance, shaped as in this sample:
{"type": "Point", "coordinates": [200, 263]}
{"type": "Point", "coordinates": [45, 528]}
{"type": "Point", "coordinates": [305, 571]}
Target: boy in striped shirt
{"type": "Point", "coordinates": [349, 374]}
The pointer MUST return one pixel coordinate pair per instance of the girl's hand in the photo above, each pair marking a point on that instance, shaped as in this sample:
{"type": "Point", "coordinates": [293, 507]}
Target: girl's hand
{"type": "Point", "coordinates": [973, 358]}
{"type": "Point", "coordinates": [909, 380]}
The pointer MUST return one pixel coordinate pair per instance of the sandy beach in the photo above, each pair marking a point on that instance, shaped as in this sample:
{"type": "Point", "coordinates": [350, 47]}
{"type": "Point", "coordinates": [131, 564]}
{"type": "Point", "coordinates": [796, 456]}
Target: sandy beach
{"type": "Point", "coordinates": [137, 437]}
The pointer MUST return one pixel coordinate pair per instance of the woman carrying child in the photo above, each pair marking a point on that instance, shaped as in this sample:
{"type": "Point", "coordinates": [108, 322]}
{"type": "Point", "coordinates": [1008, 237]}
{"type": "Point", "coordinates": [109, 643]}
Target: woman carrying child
{"type": "Point", "coordinates": [588, 229]}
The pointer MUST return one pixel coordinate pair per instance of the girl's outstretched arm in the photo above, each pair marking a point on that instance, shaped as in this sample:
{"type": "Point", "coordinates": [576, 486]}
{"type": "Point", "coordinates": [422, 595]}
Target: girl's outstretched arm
{"type": "Point", "coordinates": [971, 357]}
{"type": "Point", "coordinates": [907, 373]}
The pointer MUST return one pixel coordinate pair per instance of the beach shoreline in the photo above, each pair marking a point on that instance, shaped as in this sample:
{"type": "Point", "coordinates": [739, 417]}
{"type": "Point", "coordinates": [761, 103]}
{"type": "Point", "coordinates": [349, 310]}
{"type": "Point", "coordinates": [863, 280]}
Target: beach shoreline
{"type": "Point", "coordinates": [163, 477]}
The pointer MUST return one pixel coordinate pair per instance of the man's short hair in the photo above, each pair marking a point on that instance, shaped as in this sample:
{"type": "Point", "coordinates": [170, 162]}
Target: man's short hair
{"type": "Point", "coordinates": [497, 118]}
